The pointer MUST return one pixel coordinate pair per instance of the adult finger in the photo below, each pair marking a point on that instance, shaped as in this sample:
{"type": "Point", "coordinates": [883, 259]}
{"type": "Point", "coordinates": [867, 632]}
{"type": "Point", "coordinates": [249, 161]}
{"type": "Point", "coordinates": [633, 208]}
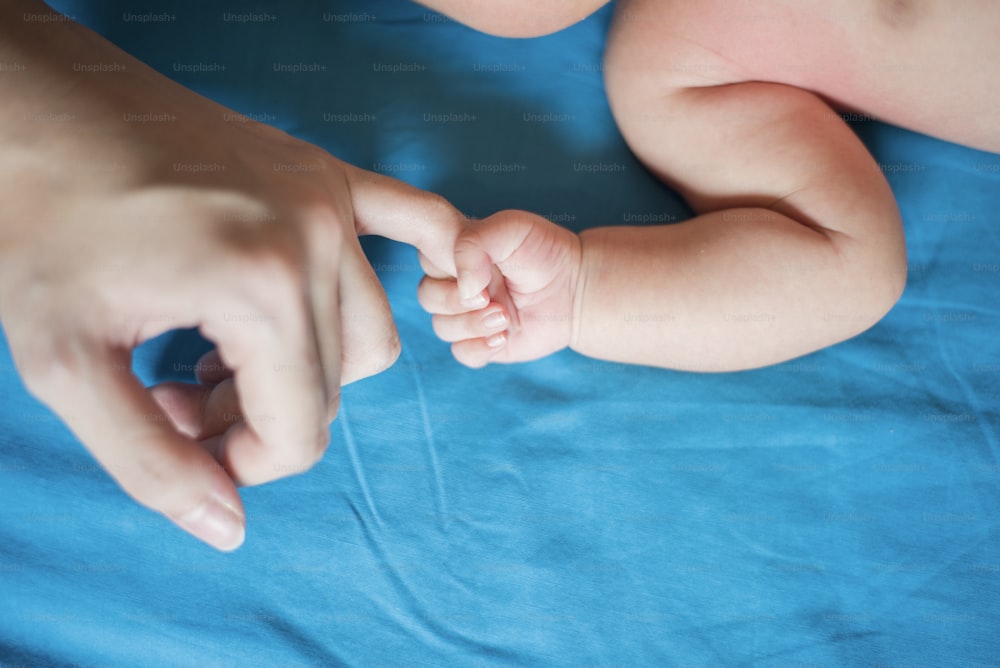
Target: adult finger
{"type": "Point", "coordinates": [325, 242]}
{"type": "Point", "coordinates": [370, 341]}
{"type": "Point", "coordinates": [210, 369]}
{"type": "Point", "coordinates": [396, 210]}
{"type": "Point", "coordinates": [280, 380]}
{"type": "Point", "coordinates": [105, 405]}
{"type": "Point", "coordinates": [199, 411]}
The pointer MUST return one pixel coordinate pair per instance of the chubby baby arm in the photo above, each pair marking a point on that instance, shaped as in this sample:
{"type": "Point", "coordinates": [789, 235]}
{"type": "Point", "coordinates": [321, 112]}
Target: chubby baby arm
{"type": "Point", "coordinates": [798, 244]}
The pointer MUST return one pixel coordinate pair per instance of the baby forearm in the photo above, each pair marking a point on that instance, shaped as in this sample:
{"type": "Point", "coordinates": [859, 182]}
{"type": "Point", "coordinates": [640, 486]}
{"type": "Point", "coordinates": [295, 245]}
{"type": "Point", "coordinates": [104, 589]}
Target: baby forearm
{"type": "Point", "coordinates": [728, 290]}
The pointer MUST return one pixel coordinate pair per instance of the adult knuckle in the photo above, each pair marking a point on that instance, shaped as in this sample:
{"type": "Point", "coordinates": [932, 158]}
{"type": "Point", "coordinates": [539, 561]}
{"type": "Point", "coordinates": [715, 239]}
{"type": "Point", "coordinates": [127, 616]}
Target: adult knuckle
{"type": "Point", "coordinates": [48, 365]}
{"type": "Point", "coordinates": [280, 267]}
{"type": "Point", "coordinates": [306, 456]}
{"type": "Point", "coordinates": [326, 227]}
{"type": "Point", "coordinates": [273, 240]}
{"type": "Point", "coordinates": [275, 285]}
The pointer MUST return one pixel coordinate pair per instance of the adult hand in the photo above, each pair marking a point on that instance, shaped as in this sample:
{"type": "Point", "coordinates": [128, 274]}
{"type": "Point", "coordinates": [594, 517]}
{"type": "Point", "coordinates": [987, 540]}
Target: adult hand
{"type": "Point", "coordinates": [113, 232]}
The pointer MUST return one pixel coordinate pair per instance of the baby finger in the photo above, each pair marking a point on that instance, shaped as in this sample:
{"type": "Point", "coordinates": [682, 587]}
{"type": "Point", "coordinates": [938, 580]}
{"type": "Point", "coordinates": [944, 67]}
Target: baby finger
{"type": "Point", "coordinates": [478, 324]}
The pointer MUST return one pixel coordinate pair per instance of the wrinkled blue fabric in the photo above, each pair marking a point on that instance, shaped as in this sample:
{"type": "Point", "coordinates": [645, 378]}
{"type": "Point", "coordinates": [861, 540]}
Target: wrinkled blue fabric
{"type": "Point", "coordinates": [839, 509]}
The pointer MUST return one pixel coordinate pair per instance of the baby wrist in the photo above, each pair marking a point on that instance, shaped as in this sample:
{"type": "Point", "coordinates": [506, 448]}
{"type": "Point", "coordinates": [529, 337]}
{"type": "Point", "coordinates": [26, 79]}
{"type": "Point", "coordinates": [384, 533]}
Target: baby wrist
{"type": "Point", "coordinates": [580, 283]}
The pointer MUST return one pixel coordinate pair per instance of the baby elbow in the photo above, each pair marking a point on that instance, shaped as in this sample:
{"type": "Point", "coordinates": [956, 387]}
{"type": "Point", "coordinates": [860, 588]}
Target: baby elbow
{"type": "Point", "coordinates": [894, 268]}
{"type": "Point", "coordinates": [882, 287]}
{"type": "Point", "coordinates": [873, 264]}
{"type": "Point", "coordinates": [896, 283]}
{"type": "Point", "coordinates": [888, 293]}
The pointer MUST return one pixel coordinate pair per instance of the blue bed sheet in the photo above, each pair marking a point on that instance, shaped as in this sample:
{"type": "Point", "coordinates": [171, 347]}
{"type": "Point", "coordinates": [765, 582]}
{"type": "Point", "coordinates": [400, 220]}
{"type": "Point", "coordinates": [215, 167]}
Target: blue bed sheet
{"type": "Point", "coordinates": [840, 509]}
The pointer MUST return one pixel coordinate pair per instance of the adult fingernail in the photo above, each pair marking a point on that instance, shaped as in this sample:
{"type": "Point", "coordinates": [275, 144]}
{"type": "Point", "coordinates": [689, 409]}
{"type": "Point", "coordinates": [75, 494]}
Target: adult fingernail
{"type": "Point", "coordinates": [217, 523]}
{"type": "Point", "coordinates": [494, 320]}
{"type": "Point", "coordinates": [477, 301]}
{"type": "Point", "coordinates": [497, 340]}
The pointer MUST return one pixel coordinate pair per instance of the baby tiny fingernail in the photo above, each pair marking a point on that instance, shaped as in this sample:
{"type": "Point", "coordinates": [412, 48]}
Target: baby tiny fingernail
{"type": "Point", "coordinates": [478, 301]}
{"type": "Point", "coordinates": [494, 320]}
{"type": "Point", "coordinates": [497, 340]}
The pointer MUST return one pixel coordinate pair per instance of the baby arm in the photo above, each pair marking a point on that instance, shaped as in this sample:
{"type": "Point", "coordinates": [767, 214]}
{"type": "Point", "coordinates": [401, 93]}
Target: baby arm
{"type": "Point", "coordinates": [798, 246]}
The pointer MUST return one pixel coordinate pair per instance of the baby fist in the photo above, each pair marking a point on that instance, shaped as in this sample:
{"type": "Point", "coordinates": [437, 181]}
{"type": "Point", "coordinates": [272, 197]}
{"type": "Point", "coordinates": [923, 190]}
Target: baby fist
{"type": "Point", "coordinates": [513, 300]}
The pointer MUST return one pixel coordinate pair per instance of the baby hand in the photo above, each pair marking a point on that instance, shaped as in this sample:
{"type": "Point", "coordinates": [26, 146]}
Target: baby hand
{"type": "Point", "coordinates": [514, 295]}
